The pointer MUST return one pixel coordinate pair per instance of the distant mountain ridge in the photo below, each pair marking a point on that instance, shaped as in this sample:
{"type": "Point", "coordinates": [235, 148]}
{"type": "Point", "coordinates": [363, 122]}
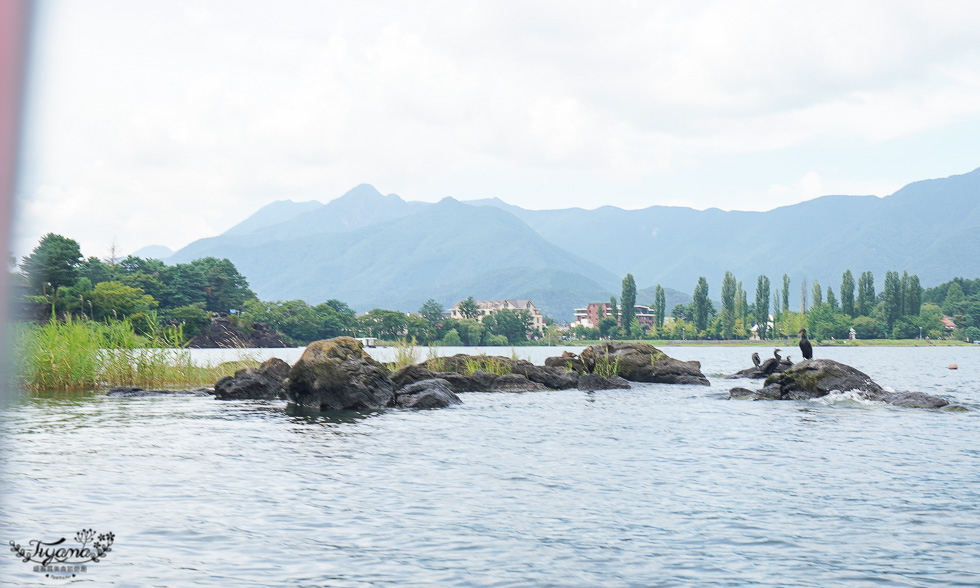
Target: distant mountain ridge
{"type": "Point", "coordinates": [373, 250]}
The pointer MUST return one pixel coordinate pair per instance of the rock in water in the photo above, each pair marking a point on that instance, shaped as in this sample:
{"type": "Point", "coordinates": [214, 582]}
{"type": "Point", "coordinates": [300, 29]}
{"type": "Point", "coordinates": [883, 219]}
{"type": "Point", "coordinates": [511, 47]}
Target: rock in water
{"type": "Point", "coordinates": [814, 378]}
{"type": "Point", "coordinates": [593, 382]}
{"type": "Point", "coordinates": [424, 394]}
{"type": "Point", "coordinates": [266, 381]}
{"type": "Point", "coordinates": [337, 374]}
{"type": "Point", "coordinates": [641, 362]}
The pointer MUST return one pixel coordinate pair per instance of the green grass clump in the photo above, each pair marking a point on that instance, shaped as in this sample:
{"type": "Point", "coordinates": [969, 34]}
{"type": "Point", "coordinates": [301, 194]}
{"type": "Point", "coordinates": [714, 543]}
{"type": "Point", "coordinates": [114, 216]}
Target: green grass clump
{"type": "Point", "coordinates": [606, 368]}
{"type": "Point", "coordinates": [491, 365]}
{"type": "Point", "coordinates": [79, 354]}
{"type": "Point", "coordinates": [405, 354]}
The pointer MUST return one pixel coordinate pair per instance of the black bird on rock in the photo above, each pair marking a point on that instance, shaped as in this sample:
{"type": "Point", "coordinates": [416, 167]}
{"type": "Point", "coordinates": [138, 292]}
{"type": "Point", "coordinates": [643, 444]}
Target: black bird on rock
{"type": "Point", "coordinates": [805, 346]}
{"type": "Point", "coordinates": [756, 360]}
{"type": "Point", "coordinates": [772, 363]}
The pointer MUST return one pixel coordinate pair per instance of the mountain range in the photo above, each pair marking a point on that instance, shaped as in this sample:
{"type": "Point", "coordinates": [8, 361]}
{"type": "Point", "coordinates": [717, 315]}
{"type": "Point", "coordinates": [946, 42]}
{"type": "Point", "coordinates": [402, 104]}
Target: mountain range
{"type": "Point", "coordinates": [380, 251]}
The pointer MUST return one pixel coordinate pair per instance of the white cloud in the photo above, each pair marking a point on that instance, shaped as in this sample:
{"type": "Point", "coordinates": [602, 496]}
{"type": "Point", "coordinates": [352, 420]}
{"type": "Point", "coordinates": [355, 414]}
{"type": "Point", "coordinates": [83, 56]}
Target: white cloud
{"type": "Point", "coordinates": [158, 122]}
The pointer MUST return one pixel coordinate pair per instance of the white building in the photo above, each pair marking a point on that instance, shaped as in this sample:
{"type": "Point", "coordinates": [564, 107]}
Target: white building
{"type": "Point", "coordinates": [488, 307]}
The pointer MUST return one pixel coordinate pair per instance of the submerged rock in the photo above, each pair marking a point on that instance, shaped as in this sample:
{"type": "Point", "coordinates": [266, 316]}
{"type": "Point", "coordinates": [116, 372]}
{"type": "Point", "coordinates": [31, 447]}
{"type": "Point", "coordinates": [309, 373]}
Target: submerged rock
{"type": "Point", "coordinates": [814, 378]}
{"type": "Point", "coordinates": [641, 362]}
{"type": "Point", "coordinates": [337, 374]}
{"type": "Point", "coordinates": [592, 382]}
{"type": "Point", "coordinates": [266, 381]}
{"type": "Point", "coordinates": [425, 394]}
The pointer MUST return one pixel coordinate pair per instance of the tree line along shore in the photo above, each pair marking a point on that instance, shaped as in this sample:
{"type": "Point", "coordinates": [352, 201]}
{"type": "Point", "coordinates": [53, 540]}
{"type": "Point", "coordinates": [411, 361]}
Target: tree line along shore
{"type": "Point", "coordinates": [157, 304]}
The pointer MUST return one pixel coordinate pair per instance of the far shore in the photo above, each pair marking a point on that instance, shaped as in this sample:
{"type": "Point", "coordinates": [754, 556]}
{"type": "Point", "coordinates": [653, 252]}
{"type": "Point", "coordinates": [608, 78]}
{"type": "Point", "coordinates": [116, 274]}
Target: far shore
{"type": "Point", "coordinates": [731, 343]}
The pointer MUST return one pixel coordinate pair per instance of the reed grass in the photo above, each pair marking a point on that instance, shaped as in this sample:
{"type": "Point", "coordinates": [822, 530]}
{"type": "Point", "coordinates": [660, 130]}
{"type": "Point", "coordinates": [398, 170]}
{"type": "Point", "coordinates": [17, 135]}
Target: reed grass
{"type": "Point", "coordinates": [79, 354]}
{"type": "Point", "coordinates": [606, 368]}
{"type": "Point", "coordinates": [406, 354]}
{"type": "Point", "coordinates": [487, 364]}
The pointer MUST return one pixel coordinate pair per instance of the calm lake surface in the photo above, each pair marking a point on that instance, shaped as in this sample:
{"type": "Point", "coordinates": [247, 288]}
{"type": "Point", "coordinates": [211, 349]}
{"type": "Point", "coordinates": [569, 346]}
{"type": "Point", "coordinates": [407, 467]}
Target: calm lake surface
{"type": "Point", "coordinates": [654, 486]}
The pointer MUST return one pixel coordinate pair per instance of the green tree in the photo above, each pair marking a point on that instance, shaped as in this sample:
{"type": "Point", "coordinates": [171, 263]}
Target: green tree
{"type": "Point", "coordinates": [452, 339]}
{"type": "Point", "coordinates": [628, 300]}
{"type": "Point", "coordinates": [905, 286]}
{"type": "Point", "coordinates": [914, 296]}
{"type": "Point", "coordinates": [893, 299]}
{"type": "Point", "coordinates": [613, 310]}
{"type": "Point", "coordinates": [832, 300]}
{"type": "Point", "coordinates": [866, 327]}
{"type": "Point", "coordinates": [785, 292]}
{"type": "Point", "coordinates": [432, 311]}
{"type": "Point", "coordinates": [53, 264]}
{"type": "Point", "coordinates": [659, 307]}
{"type": "Point", "coordinates": [116, 300]}
{"type": "Point", "coordinates": [383, 324]}
{"type": "Point", "coordinates": [700, 303]}
{"type": "Point", "coordinates": [470, 331]}
{"type": "Point", "coordinates": [866, 294]}
{"type": "Point", "coordinates": [954, 299]}
{"type": "Point", "coordinates": [847, 293]}
{"type": "Point", "coordinates": [741, 311]}
{"type": "Point", "coordinates": [817, 296]}
{"type": "Point", "coordinates": [193, 318]}
{"type": "Point", "coordinates": [225, 288]}
{"type": "Point", "coordinates": [514, 325]}
{"type": "Point", "coordinates": [762, 305]}
{"type": "Point", "coordinates": [728, 290]}
{"type": "Point", "coordinates": [469, 309]}
{"type": "Point", "coordinates": [606, 326]}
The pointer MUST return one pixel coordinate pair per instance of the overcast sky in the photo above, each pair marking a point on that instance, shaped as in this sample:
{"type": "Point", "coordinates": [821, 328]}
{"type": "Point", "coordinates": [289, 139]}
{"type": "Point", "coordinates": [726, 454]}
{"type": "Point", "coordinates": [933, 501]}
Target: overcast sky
{"type": "Point", "coordinates": [165, 121]}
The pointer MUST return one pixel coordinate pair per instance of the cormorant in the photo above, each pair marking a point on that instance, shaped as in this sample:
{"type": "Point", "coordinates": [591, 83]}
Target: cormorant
{"type": "Point", "coordinates": [805, 346]}
{"type": "Point", "coordinates": [756, 360]}
{"type": "Point", "coordinates": [771, 364]}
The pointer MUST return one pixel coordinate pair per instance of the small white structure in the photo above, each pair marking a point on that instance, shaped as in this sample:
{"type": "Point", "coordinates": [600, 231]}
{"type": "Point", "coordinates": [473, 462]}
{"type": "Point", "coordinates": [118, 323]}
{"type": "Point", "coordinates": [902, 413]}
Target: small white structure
{"type": "Point", "coordinates": [368, 341]}
{"type": "Point", "coordinates": [853, 334]}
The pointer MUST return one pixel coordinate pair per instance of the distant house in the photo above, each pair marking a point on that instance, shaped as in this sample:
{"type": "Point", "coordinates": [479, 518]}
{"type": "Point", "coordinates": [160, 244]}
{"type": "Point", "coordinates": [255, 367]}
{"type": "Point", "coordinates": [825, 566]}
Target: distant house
{"type": "Point", "coordinates": [488, 307]}
{"type": "Point", "coordinates": [948, 325]}
{"type": "Point", "coordinates": [589, 316]}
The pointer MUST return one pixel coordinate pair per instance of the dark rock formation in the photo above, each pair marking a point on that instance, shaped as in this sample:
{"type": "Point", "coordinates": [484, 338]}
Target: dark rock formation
{"type": "Point", "coordinates": [591, 382]}
{"type": "Point", "coordinates": [266, 381]}
{"type": "Point", "coordinates": [223, 333]}
{"type": "Point", "coordinates": [814, 378]}
{"type": "Point", "coordinates": [478, 381]}
{"type": "Point", "coordinates": [484, 373]}
{"type": "Point", "coordinates": [755, 372]}
{"type": "Point", "coordinates": [337, 374]}
{"type": "Point", "coordinates": [425, 394]}
{"type": "Point", "coordinates": [134, 392]}
{"type": "Point", "coordinates": [568, 361]}
{"type": "Point", "coordinates": [641, 362]}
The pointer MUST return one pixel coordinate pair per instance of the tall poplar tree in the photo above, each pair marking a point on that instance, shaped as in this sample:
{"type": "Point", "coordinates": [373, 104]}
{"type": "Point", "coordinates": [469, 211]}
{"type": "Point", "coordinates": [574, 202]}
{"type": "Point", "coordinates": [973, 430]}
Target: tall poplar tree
{"type": "Point", "coordinates": [915, 295]}
{"type": "Point", "coordinates": [701, 304]}
{"type": "Point", "coordinates": [847, 293]}
{"type": "Point", "coordinates": [817, 294]}
{"type": "Point", "coordinates": [762, 305]}
{"type": "Point", "coordinates": [728, 305]}
{"type": "Point", "coordinates": [785, 292]}
{"type": "Point", "coordinates": [628, 300]}
{"type": "Point", "coordinates": [660, 306]}
{"type": "Point", "coordinates": [893, 298]}
{"type": "Point", "coordinates": [866, 294]}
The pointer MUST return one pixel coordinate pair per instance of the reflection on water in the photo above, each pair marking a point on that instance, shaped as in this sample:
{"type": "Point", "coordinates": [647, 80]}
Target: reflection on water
{"type": "Point", "coordinates": [657, 485]}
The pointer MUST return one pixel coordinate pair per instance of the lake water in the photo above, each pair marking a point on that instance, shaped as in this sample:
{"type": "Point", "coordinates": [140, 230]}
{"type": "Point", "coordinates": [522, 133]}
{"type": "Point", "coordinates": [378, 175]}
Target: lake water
{"type": "Point", "coordinates": [654, 486]}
